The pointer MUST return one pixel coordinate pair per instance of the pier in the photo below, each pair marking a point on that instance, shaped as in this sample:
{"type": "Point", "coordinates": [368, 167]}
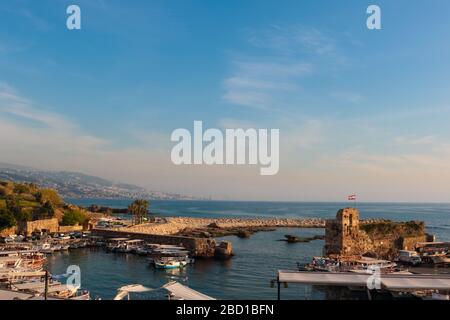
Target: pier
{"type": "Point", "coordinates": [349, 279]}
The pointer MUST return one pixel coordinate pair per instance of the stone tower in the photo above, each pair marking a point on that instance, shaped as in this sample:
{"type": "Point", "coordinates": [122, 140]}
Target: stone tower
{"type": "Point", "coordinates": [348, 219]}
{"type": "Point", "coordinates": [341, 233]}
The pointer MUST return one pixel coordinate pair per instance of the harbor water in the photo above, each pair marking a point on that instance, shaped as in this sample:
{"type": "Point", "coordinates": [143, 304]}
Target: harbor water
{"type": "Point", "coordinates": [248, 274]}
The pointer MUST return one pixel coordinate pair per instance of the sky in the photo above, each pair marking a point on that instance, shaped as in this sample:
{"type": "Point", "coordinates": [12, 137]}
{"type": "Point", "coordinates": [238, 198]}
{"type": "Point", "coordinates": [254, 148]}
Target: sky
{"type": "Point", "coordinates": [359, 111]}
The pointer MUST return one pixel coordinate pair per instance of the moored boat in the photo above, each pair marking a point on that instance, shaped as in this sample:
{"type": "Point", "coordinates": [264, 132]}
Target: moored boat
{"type": "Point", "coordinates": [167, 264]}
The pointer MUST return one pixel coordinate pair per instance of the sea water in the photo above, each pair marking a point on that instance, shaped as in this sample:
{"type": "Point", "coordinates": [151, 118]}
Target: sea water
{"type": "Point", "coordinates": [248, 274]}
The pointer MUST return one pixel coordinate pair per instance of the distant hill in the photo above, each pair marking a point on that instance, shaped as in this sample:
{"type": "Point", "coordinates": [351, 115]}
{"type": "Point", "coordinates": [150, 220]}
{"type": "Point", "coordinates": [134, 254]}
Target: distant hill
{"type": "Point", "coordinates": [78, 185]}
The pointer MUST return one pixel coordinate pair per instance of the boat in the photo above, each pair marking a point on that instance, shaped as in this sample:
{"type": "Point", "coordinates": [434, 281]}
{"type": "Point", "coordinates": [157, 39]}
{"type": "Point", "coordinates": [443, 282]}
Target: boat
{"type": "Point", "coordinates": [440, 259]}
{"type": "Point", "coordinates": [167, 264]}
{"type": "Point", "coordinates": [409, 257]}
{"type": "Point", "coordinates": [146, 249]}
{"type": "Point", "coordinates": [115, 243]}
{"type": "Point", "coordinates": [55, 289]}
{"type": "Point", "coordinates": [73, 245]}
{"type": "Point", "coordinates": [46, 248]}
{"type": "Point", "coordinates": [350, 264]}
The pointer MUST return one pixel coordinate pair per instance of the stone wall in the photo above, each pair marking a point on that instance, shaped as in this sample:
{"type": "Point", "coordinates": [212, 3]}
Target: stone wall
{"type": "Point", "coordinates": [67, 229]}
{"type": "Point", "coordinates": [49, 225]}
{"type": "Point", "coordinates": [199, 247]}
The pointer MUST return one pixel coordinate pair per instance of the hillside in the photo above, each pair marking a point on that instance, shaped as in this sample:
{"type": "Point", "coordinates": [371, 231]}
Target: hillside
{"type": "Point", "coordinates": [23, 202]}
{"type": "Point", "coordinates": [78, 185]}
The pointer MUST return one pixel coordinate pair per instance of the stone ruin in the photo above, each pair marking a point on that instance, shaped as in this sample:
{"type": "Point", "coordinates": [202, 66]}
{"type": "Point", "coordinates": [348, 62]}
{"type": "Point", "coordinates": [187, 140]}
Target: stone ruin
{"type": "Point", "coordinates": [347, 235]}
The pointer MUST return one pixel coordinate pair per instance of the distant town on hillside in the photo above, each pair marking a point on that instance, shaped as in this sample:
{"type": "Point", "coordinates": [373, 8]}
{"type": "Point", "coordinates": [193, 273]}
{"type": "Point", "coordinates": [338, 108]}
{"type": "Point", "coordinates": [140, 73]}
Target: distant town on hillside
{"type": "Point", "coordinates": [78, 185]}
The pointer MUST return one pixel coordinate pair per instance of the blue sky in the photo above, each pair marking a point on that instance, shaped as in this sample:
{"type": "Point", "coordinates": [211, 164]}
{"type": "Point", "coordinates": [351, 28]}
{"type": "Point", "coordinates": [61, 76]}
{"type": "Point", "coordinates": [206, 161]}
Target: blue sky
{"type": "Point", "coordinates": [359, 111]}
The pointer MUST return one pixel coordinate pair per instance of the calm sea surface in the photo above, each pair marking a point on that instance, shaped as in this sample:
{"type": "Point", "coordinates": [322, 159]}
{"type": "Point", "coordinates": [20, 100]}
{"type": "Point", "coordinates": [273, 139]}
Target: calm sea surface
{"type": "Point", "coordinates": [248, 274]}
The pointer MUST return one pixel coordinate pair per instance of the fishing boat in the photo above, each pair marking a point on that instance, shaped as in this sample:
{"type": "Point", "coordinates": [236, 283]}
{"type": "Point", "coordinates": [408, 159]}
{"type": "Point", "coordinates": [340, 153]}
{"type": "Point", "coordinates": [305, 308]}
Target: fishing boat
{"type": "Point", "coordinates": [146, 249]}
{"type": "Point", "coordinates": [350, 264]}
{"type": "Point", "coordinates": [129, 246]}
{"type": "Point", "coordinates": [55, 289]}
{"type": "Point", "coordinates": [46, 248]}
{"type": "Point", "coordinates": [115, 243]}
{"type": "Point", "coordinates": [440, 259]}
{"type": "Point", "coordinates": [167, 264]}
{"type": "Point", "coordinates": [33, 260]}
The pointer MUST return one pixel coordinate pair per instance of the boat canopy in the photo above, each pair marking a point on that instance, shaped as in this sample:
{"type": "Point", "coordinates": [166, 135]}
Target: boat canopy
{"type": "Point", "coordinates": [179, 291]}
{"type": "Point", "coordinates": [387, 281]}
{"type": "Point", "coordinates": [175, 289]}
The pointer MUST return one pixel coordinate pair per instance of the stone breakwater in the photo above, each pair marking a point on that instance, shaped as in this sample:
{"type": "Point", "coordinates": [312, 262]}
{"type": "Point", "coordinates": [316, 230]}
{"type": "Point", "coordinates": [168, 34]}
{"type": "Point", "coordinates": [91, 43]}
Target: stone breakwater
{"type": "Point", "coordinates": [219, 226]}
{"type": "Point", "coordinates": [175, 225]}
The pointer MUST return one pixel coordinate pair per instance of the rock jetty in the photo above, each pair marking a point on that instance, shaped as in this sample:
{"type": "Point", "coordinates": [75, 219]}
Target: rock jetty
{"type": "Point", "coordinates": [209, 227]}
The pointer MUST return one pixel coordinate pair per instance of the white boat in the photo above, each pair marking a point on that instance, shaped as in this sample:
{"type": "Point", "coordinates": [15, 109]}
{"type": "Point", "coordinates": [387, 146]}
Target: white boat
{"type": "Point", "coordinates": [440, 259]}
{"type": "Point", "coordinates": [73, 245]}
{"type": "Point", "coordinates": [46, 248]}
{"type": "Point", "coordinates": [168, 264]}
{"type": "Point", "coordinates": [410, 257]}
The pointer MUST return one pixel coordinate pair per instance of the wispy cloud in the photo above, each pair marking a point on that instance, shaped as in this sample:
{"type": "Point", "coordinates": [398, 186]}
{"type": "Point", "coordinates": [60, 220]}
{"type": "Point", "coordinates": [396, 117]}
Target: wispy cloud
{"type": "Point", "coordinates": [293, 40]}
{"type": "Point", "coordinates": [11, 103]}
{"type": "Point", "coordinates": [256, 84]}
{"type": "Point", "coordinates": [287, 56]}
{"type": "Point", "coordinates": [427, 140]}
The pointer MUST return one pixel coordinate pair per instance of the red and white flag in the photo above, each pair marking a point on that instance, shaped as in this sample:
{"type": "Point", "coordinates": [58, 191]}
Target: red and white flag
{"type": "Point", "coordinates": [352, 197]}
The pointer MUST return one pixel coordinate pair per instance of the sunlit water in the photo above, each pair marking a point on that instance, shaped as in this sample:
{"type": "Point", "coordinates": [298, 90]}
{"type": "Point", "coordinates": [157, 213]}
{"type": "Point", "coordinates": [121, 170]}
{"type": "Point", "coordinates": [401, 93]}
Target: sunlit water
{"type": "Point", "coordinates": [248, 274]}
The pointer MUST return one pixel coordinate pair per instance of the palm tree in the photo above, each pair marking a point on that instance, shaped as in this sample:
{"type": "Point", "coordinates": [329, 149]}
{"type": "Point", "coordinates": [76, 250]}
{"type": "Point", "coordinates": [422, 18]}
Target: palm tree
{"type": "Point", "coordinates": [139, 210]}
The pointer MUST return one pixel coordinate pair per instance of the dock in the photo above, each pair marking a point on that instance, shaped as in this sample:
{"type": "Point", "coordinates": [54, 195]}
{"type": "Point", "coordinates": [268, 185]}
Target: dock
{"type": "Point", "coordinates": [348, 279]}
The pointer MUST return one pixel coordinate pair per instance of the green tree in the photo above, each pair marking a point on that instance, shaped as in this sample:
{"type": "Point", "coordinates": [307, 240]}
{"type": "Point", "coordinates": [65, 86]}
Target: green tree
{"type": "Point", "coordinates": [139, 210]}
{"type": "Point", "coordinates": [21, 188]}
{"type": "Point", "coordinates": [13, 206]}
{"type": "Point", "coordinates": [46, 211]}
{"type": "Point", "coordinates": [73, 217]}
{"type": "Point", "coordinates": [7, 219]}
{"type": "Point", "coordinates": [50, 195]}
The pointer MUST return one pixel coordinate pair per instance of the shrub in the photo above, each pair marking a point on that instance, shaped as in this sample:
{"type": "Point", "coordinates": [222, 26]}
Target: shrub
{"type": "Point", "coordinates": [73, 217]}
{"type": "Point", "coordinates": [46, 211]}
{"type": "Point", "coordinates": [21, 188]}
{"type": "Point", "coordinates": [28, 197]}
{"type": "Point", "coordinates": [50, 195]}
{"type": "Point", "coordinates": [5, 191]}
{"type": "Point", "coordinates": [7, 219]}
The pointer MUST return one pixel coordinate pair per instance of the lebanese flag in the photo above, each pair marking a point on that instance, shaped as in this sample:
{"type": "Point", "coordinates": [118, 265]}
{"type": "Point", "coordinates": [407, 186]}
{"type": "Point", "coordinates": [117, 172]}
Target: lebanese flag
{"type": "Point", "coordinates": [352, 197]}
